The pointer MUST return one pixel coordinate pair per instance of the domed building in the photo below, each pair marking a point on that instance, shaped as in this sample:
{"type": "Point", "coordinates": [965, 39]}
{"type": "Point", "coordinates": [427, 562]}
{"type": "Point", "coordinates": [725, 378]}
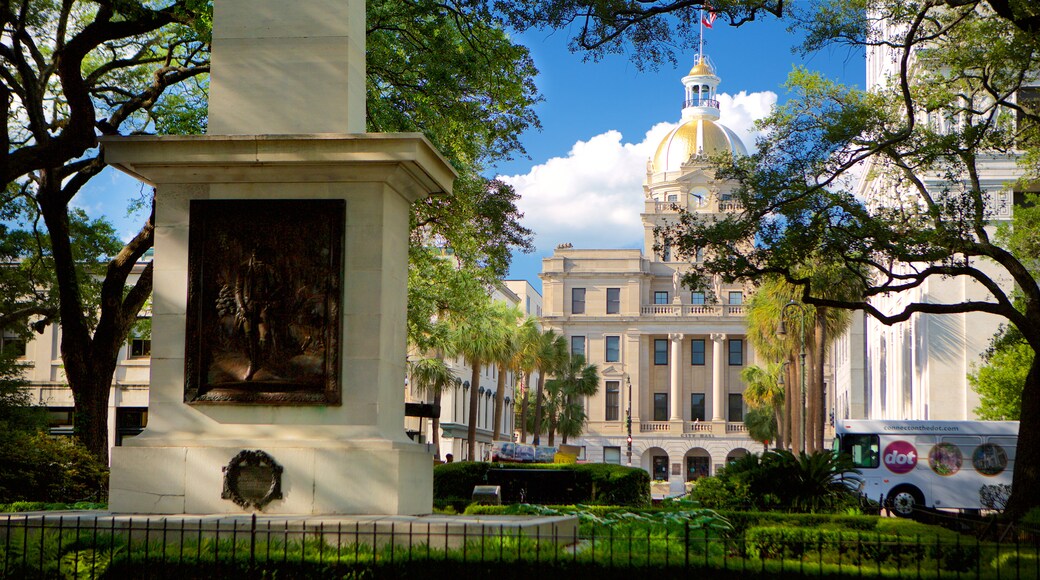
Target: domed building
{"type": "Point", "coordinates": [669, 357]}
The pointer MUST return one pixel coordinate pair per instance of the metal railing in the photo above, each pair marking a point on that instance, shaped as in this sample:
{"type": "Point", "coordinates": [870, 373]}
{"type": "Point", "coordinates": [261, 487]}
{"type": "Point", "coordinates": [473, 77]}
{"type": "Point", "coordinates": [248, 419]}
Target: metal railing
{"type": "Point", "coordinates": [167, 548]}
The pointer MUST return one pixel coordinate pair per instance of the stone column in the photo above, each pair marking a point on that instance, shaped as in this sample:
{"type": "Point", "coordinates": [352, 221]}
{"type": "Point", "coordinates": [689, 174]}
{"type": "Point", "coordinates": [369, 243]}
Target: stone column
{"type": "Point", "coordinates": [718, 388]}
{"type": "Point", "coordinates": [676, 383]}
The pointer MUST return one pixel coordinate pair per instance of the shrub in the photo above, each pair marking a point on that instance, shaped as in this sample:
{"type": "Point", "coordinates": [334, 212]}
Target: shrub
{"type": "Point", "coordinates": [41, 468]}
{"type": "Point", "coordinates": [453, 481]}
{"type": "Point", "coordinates": [781, 480]}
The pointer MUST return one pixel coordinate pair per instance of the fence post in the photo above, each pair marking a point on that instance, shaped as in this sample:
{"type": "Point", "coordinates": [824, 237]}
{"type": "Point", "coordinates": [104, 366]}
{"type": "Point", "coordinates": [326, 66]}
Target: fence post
{"type": "Point", "coordinates": [252, 543]}
{"type": "Point", "coordinates": [686, 545]}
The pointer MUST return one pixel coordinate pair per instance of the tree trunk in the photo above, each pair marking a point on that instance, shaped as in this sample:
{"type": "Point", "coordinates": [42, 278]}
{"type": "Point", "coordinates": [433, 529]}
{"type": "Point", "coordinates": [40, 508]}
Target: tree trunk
{"type": "Point", "coordinates": [538, 402]}
{"type": "Point", "coordinates": [90, 357]}
{"type": "Point", "coordinates": [1026, 477]}
{"type": "Point", "coordinates": [811, 399]}
{"type": "Point", "coordinates": [820, 419]}
{"type": "Point", "coordinates": [471, 427]}
{"type": "Point", "coordinates": [789, 393]}
{"type": "Point", "coordinates": [500, 399]}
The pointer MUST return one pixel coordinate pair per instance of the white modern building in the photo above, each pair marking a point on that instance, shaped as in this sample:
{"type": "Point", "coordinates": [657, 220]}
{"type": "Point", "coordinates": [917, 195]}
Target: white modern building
{"type": "Point", "coordinates": [668, 357]}
{"type": "Point", "coordinates": [918, 369]}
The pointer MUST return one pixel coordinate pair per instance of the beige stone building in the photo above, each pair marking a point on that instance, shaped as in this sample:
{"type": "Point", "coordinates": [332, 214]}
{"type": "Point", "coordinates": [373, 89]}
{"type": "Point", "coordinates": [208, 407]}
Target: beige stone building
{"type": "Point", "coordinates": [669, 356]}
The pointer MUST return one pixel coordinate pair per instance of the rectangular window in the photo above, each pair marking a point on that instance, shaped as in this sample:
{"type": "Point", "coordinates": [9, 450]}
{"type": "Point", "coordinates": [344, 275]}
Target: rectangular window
{"type": "Point", "coordinates": [612, 455]}
{"type": "Point", "coordinates": [140, 347]}
{"type": "Point", "coordinates": [578, 345]}
{"type": "Point", "coordinates": [527, 303]}
{"type": "Point", "coordinates": [12, 344]}
{"type": "Point", "coordinates": [613, 349]}
{"type": "Point", "coordinates": [736, 408]}
{"type": "Point", "coordinates": [613, 300]}
{"type": "Point", "coordinates": [736, 297]}
{"type": "Point", "coordinates": [666, 254]}
{"type": "Point", "coordinates": [660, 351]}
{"type": "Point", "coordinates": [577, 301]}
{"type": "Point", "coordinates": [736, 352]}
{"type": "Point", "coordinates": [660, 406]}
{"type": "Point", "coordinates": [697, 352]}
{"type": "Point", "coordinates": [864, 449]}
{"type": "Point", "coordinates": [697, 407]}
{"type": "Point", "coordinates": [700, 254]}
{"type": "Point", "coordinates": [660, 297]}
{"type": "Point", "coordinates": [1028, 98]}
{"type": "Point", "coordinates": [613, 400]}
{"type": "Point", "coordinates": [697, 298]}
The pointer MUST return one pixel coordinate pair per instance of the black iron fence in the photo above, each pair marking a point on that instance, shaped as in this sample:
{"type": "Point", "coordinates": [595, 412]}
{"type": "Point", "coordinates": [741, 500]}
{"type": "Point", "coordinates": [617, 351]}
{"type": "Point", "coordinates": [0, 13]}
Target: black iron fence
{"type": "Point", "coordinates": [41, 546]}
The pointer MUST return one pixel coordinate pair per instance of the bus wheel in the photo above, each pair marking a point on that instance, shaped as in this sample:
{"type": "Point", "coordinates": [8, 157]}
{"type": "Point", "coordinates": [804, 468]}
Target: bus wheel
{"type": "Point", "coordinates": [903, 500]}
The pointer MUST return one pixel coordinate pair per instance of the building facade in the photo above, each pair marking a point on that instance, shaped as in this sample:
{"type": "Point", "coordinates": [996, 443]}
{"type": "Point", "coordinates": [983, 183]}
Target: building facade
{"type": "Point", "coordinates": [669, 357]}
{"type": "Point", "coordinates": [918, 369]}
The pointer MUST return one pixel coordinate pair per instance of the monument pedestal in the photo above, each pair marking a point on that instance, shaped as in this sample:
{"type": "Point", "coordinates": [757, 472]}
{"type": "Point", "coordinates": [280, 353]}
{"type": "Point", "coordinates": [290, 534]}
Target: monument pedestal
{"type": "Point", "coordinates": [347, 456]}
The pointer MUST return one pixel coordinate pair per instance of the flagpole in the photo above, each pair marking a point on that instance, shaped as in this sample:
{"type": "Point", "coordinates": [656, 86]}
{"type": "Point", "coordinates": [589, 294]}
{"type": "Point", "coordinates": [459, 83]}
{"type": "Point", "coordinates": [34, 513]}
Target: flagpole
{"type": "Point", "coordinates": [700, 19]}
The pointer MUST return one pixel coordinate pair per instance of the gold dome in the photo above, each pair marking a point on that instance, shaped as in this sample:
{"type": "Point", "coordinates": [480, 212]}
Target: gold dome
{"type": "Point", "coordinates": [695, 136]}
{"type": "Point", "coordinates": [702, 69]}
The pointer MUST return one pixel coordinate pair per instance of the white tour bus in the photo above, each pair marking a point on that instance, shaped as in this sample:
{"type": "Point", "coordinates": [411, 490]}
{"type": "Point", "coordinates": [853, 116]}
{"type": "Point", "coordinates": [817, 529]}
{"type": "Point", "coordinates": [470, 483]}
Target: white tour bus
{"type": "Point", "coordinates": [934, 464]}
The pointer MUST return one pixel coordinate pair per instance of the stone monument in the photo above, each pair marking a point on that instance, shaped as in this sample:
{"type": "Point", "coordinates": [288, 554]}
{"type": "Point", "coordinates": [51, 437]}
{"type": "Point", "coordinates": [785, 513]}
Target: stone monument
{"type": "Point", "coordinates": [281, 248]}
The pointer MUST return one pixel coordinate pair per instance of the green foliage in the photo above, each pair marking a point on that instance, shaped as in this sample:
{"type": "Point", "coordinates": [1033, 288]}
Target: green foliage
{"type": "Point", "coordinates": [37, 506]}
{"type": "Point", "coordinates": [38, 467]}
{"type": "Point", "coordinates": [780, 480]}
{"type": "Point", "coordinates": [999, 381]}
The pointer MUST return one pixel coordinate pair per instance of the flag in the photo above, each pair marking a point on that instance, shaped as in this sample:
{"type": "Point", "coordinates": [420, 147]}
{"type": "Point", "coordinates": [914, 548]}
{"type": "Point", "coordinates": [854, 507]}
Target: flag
{"type": "Point", "coordinates": [709, 19]}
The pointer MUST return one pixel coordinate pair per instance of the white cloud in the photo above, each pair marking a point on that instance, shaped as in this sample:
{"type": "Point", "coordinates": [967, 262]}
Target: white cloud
{"type": "Point", "coordinates": [592, 198]}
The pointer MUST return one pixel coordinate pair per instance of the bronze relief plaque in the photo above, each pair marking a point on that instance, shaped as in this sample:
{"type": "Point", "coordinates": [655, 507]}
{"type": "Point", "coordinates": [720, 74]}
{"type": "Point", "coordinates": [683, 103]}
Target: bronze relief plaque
{"type": "Point", "coordinates": [252, 479]}
{"type": "Point", "coordinates": [264, 291]}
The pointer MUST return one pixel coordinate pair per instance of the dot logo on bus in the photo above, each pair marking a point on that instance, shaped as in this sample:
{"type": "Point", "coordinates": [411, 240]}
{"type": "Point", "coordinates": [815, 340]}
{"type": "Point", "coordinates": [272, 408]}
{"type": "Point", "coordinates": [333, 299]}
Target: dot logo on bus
{"type": "Point", "coordinates": [900, 457]}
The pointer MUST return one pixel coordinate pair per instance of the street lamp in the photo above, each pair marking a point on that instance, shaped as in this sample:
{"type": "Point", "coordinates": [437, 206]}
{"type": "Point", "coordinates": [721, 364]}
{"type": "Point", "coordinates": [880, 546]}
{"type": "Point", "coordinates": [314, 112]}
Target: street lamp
{"type": "Point", "coordinates": [782, 331]}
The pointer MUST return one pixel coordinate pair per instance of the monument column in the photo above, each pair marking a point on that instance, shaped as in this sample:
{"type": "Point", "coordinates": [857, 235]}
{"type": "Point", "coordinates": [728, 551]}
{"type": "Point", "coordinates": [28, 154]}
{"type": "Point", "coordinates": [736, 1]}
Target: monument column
{"type": "Point", "coordinates": [280, 282]}
{"type": "Point", "coordinates": [718, 386]}
{"type": "Point", "coordinates": [676, 379]}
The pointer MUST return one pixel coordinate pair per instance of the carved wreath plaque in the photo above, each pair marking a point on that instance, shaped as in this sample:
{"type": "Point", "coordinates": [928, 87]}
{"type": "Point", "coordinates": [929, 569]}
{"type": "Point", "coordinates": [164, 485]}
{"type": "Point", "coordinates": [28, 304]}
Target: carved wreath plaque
{"type": "Point", "coordinates": [264, 287]}
{"type": "Point", "coordinates": [252, 479]}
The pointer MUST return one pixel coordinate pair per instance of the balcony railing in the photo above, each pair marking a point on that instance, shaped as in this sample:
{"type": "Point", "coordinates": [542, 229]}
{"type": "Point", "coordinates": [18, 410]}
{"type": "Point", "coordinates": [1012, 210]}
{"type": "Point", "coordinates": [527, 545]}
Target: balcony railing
{"type": "Point", "coordinates": [676, 310]}
{"type": "Point", "coordinates": [698, 427]}
{"type": "Point", "coordinates": [699, 102]}
{"type": "Point", "coordinates": [736, 428]}
{"type": "Point", "coordinates": [653, 426]}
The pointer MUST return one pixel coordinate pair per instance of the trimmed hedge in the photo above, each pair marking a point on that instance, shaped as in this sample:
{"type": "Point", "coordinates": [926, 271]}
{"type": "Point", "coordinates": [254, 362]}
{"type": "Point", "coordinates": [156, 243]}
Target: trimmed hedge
{"type": "Point", "coordinates": [597, 483]}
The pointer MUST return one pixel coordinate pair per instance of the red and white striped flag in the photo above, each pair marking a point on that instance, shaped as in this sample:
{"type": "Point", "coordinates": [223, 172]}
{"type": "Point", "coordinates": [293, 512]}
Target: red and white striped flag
{"type": "Point", "coordinates": [708, 19]}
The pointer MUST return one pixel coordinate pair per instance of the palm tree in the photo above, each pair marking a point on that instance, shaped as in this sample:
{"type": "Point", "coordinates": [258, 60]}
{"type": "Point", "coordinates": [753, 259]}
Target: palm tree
{"type": "Point", "coordinates": [478, 338]}
{"type": "Point", "coordinates": [574, 381]}
{"type": "Point", "coordinates": [765, 394]}
{"type": "Point", "coordinates": [507, 358]}
{"type": "Point", "coordinates": [763, 317]}
{"type": "Point", "coordinates": [761, 425]}
{"type": "Point", "coordinates": [526, 363]}
{"type": "Point", "coordinates": [549, 351]}
{"type": "Point", "coordinates": [431, 376]}
{"type": "Point", "coordinates": [764, 313]}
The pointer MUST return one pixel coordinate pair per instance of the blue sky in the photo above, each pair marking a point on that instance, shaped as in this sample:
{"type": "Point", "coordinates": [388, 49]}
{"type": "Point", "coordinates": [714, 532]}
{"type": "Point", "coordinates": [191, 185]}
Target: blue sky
{"type": "Point", "coordinates": [582, 182]}
{"type": "Point", "coordinates": [602, 120]}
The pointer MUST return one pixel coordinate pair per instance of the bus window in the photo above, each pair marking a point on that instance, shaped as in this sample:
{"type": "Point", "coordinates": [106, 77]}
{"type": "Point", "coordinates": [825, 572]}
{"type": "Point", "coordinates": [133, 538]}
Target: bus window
{"type": "Point", "coordinates": [864, 449]}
